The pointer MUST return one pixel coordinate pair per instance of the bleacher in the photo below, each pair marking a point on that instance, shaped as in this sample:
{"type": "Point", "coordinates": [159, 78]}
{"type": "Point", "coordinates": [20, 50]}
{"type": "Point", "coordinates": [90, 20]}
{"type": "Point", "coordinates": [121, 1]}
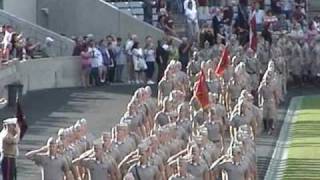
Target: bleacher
{"type": "Point", "coordinates": [134, 8]}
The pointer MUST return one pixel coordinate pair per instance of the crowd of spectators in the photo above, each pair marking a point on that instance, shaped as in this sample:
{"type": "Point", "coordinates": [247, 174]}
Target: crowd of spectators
{"type": "Point", "coordinates": [15, 45]}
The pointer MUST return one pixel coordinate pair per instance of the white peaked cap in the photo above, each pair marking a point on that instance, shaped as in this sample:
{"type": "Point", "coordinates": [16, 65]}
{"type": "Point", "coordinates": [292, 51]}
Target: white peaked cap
{"type": "Point", "coordinates": [10, 121]}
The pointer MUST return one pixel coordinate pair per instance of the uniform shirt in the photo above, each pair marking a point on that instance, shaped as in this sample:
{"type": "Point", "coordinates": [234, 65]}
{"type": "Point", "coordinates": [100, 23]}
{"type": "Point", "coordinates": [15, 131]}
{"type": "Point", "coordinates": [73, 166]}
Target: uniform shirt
{"type": "Point", "coordinates": [165, 86]}
{"type": "Point", "coordinates": [144, 172]}
{"type": "Point", "coordinates": [125, 147]}
{"type": "Point", "coordinates": [53, 168]}
{"type": "Point", "coordinates": [114, 153]}
{"type": "Point", "coordinates": [200, 117]}
{"type": "Point", "coordinates": [197, 170]}
{"type": "Point", "coordinates": [234, 171]}
{"type": "Point", "coordinates": [214, 130]}
{"type": "Point", "coordinates": [178, 177]}
{"type": "Point", "coordinates": [162, 119]}
{"type": "Point", "coordinates": [9, 146]}
{"type": "Point", "coordinates": [99, 170]}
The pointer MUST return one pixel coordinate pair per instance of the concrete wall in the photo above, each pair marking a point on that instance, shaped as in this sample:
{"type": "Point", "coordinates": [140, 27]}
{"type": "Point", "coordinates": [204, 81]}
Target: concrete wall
{"type": "Point", "coordinates": [62, 46]}
{"type": "Point", "coordinates": [39, 74]}
{"type": "Point", "coordinates": [81, 17]}
{"type": "Point", "coordinates": [25, 9]}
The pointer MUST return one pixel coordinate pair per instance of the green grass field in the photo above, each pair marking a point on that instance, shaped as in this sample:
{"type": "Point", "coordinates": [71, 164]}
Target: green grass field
{"type": "Point", "coordinates": [304, 150]}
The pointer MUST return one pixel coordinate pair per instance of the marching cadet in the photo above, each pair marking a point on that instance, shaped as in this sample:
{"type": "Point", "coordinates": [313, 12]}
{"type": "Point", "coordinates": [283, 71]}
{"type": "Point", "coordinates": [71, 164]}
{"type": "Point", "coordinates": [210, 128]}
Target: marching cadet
{"type": "Point", "coordinates": [220, 110]}
{"type": "Point", "coordinates": [182, 79]}
{"type": "Point", "coordinates": [233, 92]}
{"type": "Point", "coordinates": [123, 142]}
{"type": "Point", "coordinates": [108, 148]}
{"type": "Point", "coordinates": [242, 76]}
{"type": "Point", "coordinates": [252, 68]}
{"type": "Point", "coordinates": [233, 166]}
{"type": "Point", "coordinates": [162, 117]}
{"type": "Point", "coordinates": [182, 173]}
{"type": "Point", "coordinates": [215, 130]}
{"type": "Point", "coordinates": [157, 156]}
{"type": "Point", "coordinates": [197, 167]}
{"type": "Point", "coordinates": [165, 86]}
{"type": "Point", "coordinates": [10, 137]}
{"type": "Point", "coordinates": [184, 123]}
{"type": "Point", "coordinates": [101, 167]}
{"type": "Point", "coordinates": [143, 168]}
{"type": "Point", "coordinates": [268, 100]}
{"type": "Point", "coordinates": [295, 63]}
{"type": "Point", "coordinates": [54, 166]}
{"type": "Point", "coordinates": [281, 69]}
{"type": "Point", "coordinates": [243, 116]}
{"type": "Point", "coordinates": [213, 82]}
{"type": "Point", "coordinates": [209, 151]}
{"type": "Point", "coordinates": [135, 117]}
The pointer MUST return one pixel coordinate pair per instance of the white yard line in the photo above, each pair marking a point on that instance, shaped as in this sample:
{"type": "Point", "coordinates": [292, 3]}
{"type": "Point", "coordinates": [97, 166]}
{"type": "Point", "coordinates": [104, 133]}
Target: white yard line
{"type": "Point", "coordinates": [278, 160]}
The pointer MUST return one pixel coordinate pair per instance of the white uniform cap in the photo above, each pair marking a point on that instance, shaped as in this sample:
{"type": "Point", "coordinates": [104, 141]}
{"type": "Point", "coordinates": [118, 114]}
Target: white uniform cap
{"type": "Point", "coordinates": [83, 121]}
{"type": "Point", "coordinates": [49, 39]}
{"type": "Point", "coordinates": [10, 121]}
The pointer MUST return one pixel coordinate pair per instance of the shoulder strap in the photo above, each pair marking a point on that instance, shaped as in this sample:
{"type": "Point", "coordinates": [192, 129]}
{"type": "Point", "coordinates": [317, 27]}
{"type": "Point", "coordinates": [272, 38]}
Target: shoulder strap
{"type": "Point", "coordinates": [137, 172]}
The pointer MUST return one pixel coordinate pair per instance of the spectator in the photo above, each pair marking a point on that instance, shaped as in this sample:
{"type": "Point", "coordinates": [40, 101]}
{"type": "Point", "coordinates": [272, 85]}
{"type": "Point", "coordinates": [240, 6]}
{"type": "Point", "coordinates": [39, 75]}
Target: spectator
{"type": "Point", "coordinates": [139, 63]}
{"type": "Point", "coordinates": [287, 8]}
{"type": "Point", "coordinates": [302, 4]}
{"type": "Point", "coordinates": [30, 48]}
{"type": "Point", "coordinates": [276, 6]}
{"type": "Point", "coordinates": [149, 53]}
{"type": "Point", "coordinates": [78, 47]}
{"type": "Point", "coordinates": [6, 42]}
{"type": "Point", "coordinates": [120, 59]}
{"type": "Point", "coordinates": [48, 50]}
{"type": "Point", "coordinates": [85, 66]}
{"type": "Point", "coordinates": [112, 63]}
{"type": "Point", "coordinates": [184, 53]}
{"type": "Point", "coordinates": [166, 23]}
{"type": "Point", "coordinates": [96, 64]}
{"type": "Point", "coordinates": [311, 33]}
{"type": "Point", "coordinates": [162, 57]}
{"type": "Point", "coordinates": [216, 23]}
{"type": "Point", "coordinates": [128, 49]}
{"type": "Point", "coordinates": [161, 4]}
{"type": "Point", "coordinates": [299, 16]}
{"type": "Point", "coordinates": [227, 19]}
{"type": "Point", "coordinates": [147, 10]}
{"type": "Point", "coordinates": [206, 34]}
{"type": "Point", "coordinates": [203, 10]}
{"type": "Point", "coordinates": [192, 20]}
{"type": "Point", "coordinates": [106, 60]}
{"type": "Point", "coordinates": [259, 18]}
{"type": "Point", "coordinates": [270, 20]}
{"type": "Point", "coordinates": [173, 50]}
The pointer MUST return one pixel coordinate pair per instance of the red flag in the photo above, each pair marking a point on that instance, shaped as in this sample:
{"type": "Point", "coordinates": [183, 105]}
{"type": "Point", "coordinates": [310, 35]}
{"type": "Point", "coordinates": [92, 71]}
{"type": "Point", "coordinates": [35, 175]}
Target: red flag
{"type": "Point", "coordinates": [253, 43]}
{"type": "Point", "coordinates": [223, 63]}
{"type": "Point", "coordinates": [201, 91]}
{"type": "Point", "coordinates": [21, 120]}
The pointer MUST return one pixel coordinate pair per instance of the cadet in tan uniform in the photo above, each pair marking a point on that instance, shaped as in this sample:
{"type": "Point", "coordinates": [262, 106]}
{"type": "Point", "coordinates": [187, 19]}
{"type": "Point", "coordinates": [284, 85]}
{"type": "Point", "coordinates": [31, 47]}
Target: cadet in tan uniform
{"type": "Point", "coordinates": [10, 137]}
{"type": "Point", "coordinates": [162, 117]}
{"type": "Point", "coordinates": [215, 130]}
{"type": "Point", "coordinates": [165, 86]}
{"type": "Point", "coordinates": [234, 90]}
{"type": "Point", "coordinates": [101, 167]}
{"type": "Point", "coordinates": [54, 166]}
{"type": "Point", "coordinates": [197, 167]}
{"type": "Point", "coordinates": [184, 123]}
{"type": "Point", "coordinates": [233, 166]}
{"type": "Point", "coordinates": [143, 169]}
{"type": "Point", "coordinates": [268, 100]}
{"type": "Point", "coordinates": [108, 148]}
{"type": "Point", "coordinates": [206, 53]}
{"type": "Point", "coordinates": [253, 68]}
{"type": "Point", "coordinates": [123, 142]}
{"type": "Point", "coordinates": [182, 173]}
